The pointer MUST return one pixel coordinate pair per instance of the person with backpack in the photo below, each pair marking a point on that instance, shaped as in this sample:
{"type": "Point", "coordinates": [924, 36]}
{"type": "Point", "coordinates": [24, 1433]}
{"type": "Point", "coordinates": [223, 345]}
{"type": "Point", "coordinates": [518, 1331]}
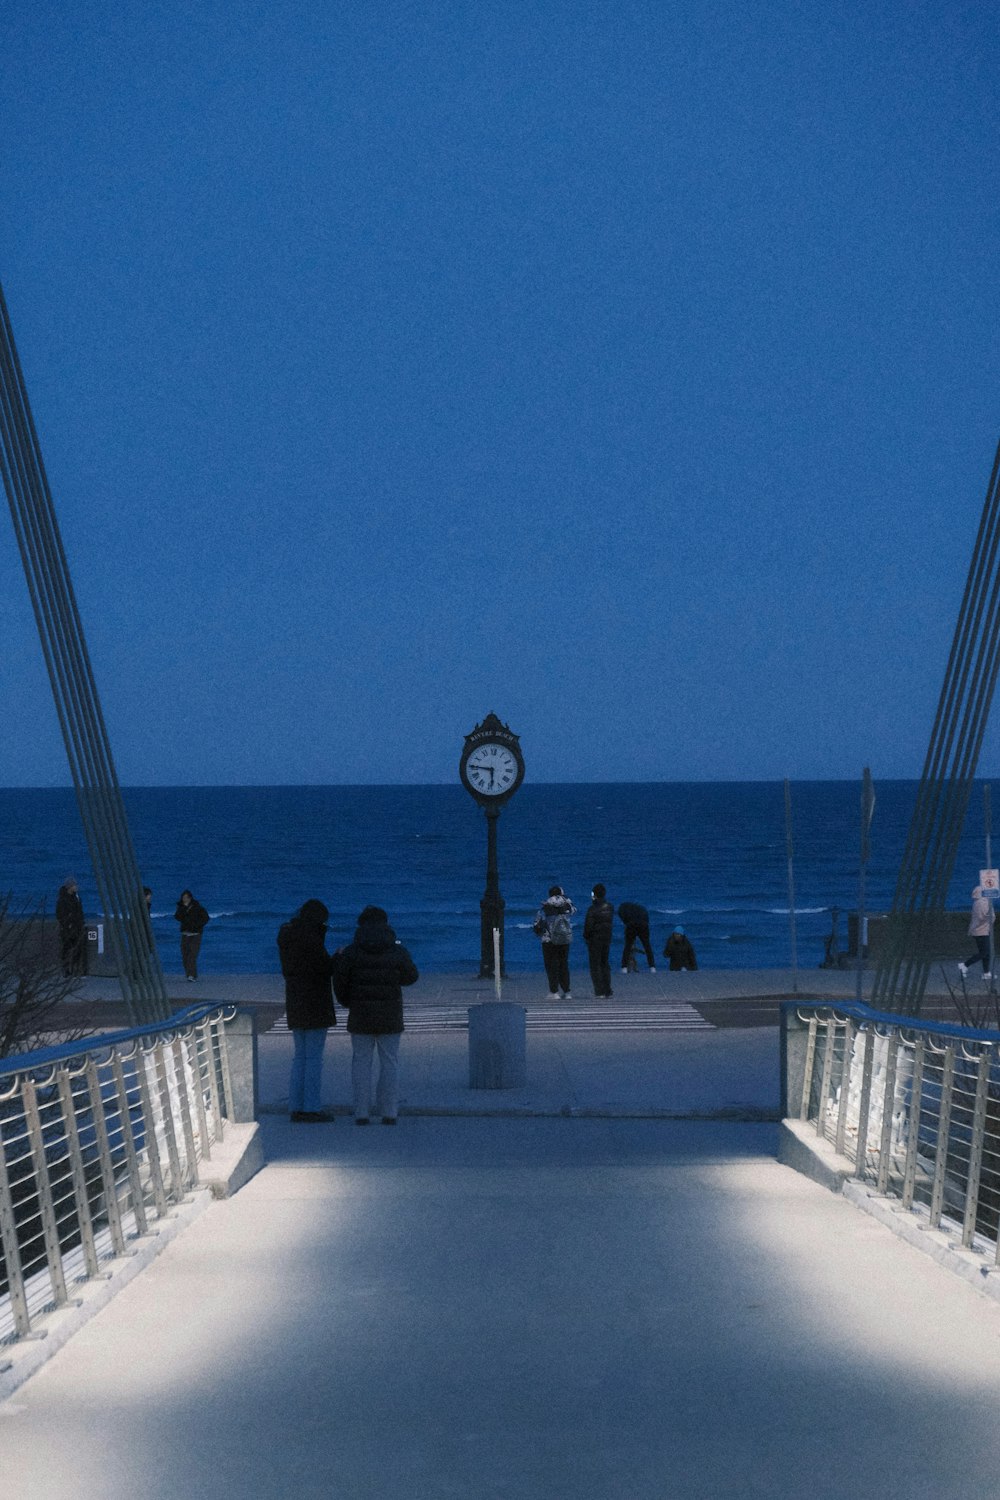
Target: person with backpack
{"type": "Point", "coordinates": [553, 926]}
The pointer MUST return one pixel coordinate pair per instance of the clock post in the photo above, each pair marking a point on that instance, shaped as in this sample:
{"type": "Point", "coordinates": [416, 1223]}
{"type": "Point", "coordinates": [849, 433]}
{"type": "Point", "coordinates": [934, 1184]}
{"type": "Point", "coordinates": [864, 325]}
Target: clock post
{"type": "Point", "coordinates": [492, 769]}
{"type": "Point", "coordinates": [492, 906]}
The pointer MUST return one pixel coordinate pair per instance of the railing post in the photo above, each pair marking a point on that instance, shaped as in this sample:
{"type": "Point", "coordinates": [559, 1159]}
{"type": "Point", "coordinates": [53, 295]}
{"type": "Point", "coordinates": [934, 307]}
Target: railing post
{"type": "Point", "coordinates": [80, 1194]}
{"type": "Point", "coordinates": [238, 1054]}
{"type": "Point", "coordinates": [864, 1104]}
{"type": "Point", "coordinates": [128, 1143]}
{"type": "Point", "coordinates": [824, 1086]}
{"type": "Point", "coordinates": [104, 1157]}
{"type": "Point", "coordinates": [11, 1251]}
{"type": "Point", "coordinates": [807, 1072]}
{"type": "Point", "coordinates": [845, 1086]}
{"type": "Point", "coordinates": [144, 1060]}
{"type": "Point", "coordinates": [943, 1133]}
{"type": "Point", "coordinates": [50, 1229]}
{"type": "Point", "coordinates": [913, 1127]}
{"type": "Point", "coordinates": [167, 1114]}
{"type": "Point", "coordinates": [888, 1107]}
{"type": "Point", "coordinates": [976, 1151]}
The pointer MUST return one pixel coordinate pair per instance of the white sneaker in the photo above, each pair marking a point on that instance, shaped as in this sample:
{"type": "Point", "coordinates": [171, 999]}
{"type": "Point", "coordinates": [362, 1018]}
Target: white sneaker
{"type": "Point", "coordinates": [987, 978]}
{"type": "Point", "coordinates": [568, 996]}
{"type": "Point", "coordinates": [624, 971]}
{"type": "Point", "coordinates": [652, 968]}
{"type": "Point", "coordinates": [963, 970]}
{"type": "Point", "coordinates": [552, 995]}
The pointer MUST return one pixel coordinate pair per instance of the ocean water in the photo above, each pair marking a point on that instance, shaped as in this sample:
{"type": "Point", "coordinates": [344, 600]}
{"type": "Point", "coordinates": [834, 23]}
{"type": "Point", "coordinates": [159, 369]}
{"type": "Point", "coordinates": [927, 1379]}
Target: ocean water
{"type": "Point", "coordinates": [711, 856]}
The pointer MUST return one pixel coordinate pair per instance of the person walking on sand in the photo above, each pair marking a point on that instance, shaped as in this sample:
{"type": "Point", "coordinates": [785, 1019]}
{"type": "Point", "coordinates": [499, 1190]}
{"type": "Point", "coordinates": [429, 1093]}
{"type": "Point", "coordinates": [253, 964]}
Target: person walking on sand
{"type": "Point", "coordinates": [368, 976]}
{"type": "Point", "coordinates": [679, 950]}
{"type": "Point", "coordinates": [636, 919]}
{"type": "Point", "coordinates": [980, 927]}
{"type": "Point", "coordinates": [598, 926]}
{"type": "Point", "coordinates": [308, 971]}
{"type": "Point", "coordinates": [193, 919]}
{"type": "Point", "coordinates": [72, 936]}
{"type": "Point", "coordinates": [553, 926]}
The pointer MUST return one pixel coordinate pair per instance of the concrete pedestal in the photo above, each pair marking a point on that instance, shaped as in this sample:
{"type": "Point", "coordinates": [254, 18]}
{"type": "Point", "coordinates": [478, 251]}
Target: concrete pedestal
{"type": "Point", "coordinates": [497, 1046]}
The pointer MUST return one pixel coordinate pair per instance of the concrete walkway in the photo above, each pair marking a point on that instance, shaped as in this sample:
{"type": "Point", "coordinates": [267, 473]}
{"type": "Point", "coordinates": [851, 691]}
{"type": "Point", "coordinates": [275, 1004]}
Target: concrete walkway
{"type": "Point", "coordinates": [474, 1309]}
{"type": "Point", "coordinates": [497, 1300]}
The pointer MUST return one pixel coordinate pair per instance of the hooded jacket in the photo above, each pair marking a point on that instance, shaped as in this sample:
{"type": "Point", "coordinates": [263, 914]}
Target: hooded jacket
{"type": "Point", "coordinates": [983, 915]}
{"type": "Point", "coordinates": [555, 906]}
{"type": "Point", "coordinates": [368, 976]}
{"type": "Point", "coordinates": [307, 968]}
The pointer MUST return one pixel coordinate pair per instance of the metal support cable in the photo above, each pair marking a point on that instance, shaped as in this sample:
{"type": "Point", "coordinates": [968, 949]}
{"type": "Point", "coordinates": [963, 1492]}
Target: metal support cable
{"type": "Point", "coordinates": [949, 769]}
{"type": "Point", "coordinates": [74, 690]}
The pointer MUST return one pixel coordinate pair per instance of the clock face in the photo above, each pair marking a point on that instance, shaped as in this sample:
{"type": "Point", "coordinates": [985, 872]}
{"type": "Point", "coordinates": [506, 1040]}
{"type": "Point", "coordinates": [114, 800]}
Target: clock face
{"type": "Point", "coordinates": [491, 769]}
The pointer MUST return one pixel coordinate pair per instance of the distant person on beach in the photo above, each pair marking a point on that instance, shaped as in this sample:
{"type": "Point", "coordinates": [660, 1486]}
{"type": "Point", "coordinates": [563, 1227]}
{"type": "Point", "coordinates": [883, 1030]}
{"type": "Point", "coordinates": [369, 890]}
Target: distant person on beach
{"type": "Point", "coordinates": [636, 920]}
{"type": "Point", "coordinates": [72, 931]}
{"type": "Point", "coordinates": [368, 979]}
{"type": "Point", "coordinates": [308, 971]}
{"type": "Point", "coordinates": [553, 926]}
{"type": "Point", "coordinates": [598, 927]}
{"type": "Point", "coordinates": [193, 919]}
{"type": "Point", "coordinates": [147, 896]}
{"type": "Point", "coordinates": [679, 950]}
{"type": "Point", "coordinates": [980, 927]}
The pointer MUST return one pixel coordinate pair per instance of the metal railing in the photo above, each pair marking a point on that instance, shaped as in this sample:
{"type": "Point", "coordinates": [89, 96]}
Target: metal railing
{"type": "Point", "coordinates": [97, 1140]}
{"type": "Point", "coordinates": [915, 1106]}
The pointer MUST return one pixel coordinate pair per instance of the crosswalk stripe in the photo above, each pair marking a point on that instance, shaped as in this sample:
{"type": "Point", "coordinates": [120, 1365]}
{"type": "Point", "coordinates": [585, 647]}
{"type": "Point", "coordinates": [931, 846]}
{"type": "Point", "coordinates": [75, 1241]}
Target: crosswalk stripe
{"type": "Point", "coordinates": [674, 1016]}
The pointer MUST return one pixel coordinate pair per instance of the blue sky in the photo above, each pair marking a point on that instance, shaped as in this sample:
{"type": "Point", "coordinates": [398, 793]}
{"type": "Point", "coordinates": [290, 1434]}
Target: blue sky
{"type": "Point", "coordinates": [628, 370]}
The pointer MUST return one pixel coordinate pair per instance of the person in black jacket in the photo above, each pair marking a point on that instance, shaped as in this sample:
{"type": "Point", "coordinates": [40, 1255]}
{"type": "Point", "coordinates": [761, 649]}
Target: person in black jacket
{"type": "Point", "coordinates": [679, 950]}
{"type": "Point", "coordinates": [368, 976]}
{"type": "Point", "coordinates": [308, 971]}
{"type": "Point", "coordinates": [72, 940]}
{"type": "Point", "coordinates": [598, 925]}
{"type": "Point", "coordinates": [193, 919]}
{"type": "Point", "coordinates": [636, 919]}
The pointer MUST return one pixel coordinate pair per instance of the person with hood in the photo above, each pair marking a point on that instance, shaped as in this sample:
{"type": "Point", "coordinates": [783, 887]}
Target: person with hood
{"type": "Point", "coordinates": [308, 971]}
{"type": "Point", "coordinates": [980, 928]}
{"type": "Point", "coordinates": [679, 950]}
{"type": "Point", "coordinates": [598, 926]}
{"type": "Point", "coordinates": [368, 976]}
{"type": "Point", "coordinates": [553, 926]}
{"type": "Point", "coordinates": [72, 939]}
{"type": "Point", "coordinates": [193, 919]}
{"type": "Point", "coordinates": [636, 919]}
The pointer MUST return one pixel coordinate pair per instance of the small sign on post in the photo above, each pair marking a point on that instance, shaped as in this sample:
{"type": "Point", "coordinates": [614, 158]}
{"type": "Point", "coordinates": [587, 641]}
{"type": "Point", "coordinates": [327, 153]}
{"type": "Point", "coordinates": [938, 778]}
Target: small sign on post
{"type": "Point", "coordinates": [989, 882]}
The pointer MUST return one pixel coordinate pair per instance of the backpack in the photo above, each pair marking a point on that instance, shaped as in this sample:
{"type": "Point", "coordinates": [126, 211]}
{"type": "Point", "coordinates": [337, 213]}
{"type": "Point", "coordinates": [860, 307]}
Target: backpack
{"type": "Point", "coordinates": [560, 928]}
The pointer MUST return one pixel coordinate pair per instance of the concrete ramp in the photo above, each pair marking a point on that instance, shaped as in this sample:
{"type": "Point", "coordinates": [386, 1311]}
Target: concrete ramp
{"type": "Point", "coordinates": [470, 1309]}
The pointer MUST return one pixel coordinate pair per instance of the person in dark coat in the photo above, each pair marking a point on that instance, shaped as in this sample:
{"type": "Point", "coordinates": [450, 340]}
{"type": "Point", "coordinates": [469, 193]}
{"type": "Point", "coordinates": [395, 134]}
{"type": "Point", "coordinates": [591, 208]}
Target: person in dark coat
{"type": "Point", "coordinates": [368, 976]}
{"type": "Point", "coordinates": [72, 928]}
{"type": "Point", "coordinates": [679, 950]}
{"type": "Point", "coordinates": [193, 919]}
{"type": "Point", "coordinates": [636, 919]}
{"type": "Point", "coordinates": [308, 971]}
{"type": "Point", "coordinates": [598, 925]}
